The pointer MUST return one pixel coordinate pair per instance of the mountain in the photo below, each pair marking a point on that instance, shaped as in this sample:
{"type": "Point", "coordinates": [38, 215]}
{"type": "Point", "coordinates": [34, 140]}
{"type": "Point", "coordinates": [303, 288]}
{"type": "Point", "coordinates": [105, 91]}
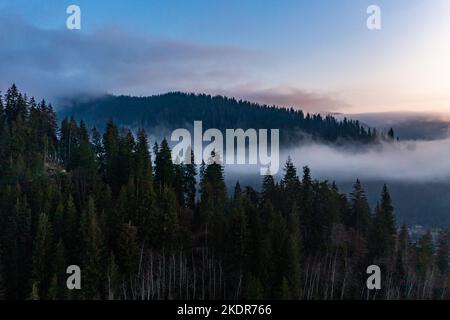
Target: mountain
{"type": "Point", "coordinates": [408, 125]}
{"type": "Point", "coordinates": [161, 114]}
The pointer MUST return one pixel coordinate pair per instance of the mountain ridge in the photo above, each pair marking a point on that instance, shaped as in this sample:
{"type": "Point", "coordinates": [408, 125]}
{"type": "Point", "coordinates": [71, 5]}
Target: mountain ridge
{"type": "Point", "coordinates": [177, 109]}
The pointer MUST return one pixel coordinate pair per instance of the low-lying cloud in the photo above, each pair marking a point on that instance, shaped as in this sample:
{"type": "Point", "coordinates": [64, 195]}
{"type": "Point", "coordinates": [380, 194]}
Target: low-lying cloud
{"type": "Point", "coordinates": [419, 161]}
{"type": "Point", "coordinates": [402, 161]}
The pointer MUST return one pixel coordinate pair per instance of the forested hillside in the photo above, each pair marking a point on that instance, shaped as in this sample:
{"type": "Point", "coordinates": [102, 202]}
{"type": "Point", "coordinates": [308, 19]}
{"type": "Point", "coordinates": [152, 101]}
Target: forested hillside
{"type": "Point", "coordinates": [141, 227]}
{"type": "Point", "coordinates": [179, 110]}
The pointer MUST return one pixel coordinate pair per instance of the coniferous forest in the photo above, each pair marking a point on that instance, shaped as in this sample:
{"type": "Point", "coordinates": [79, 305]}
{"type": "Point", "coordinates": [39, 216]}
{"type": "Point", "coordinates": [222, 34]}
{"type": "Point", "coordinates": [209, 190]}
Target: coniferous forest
{"type": "Point", "coordinates": [142, 227]}
{"type": "Point", "coordinates": [170, 111]}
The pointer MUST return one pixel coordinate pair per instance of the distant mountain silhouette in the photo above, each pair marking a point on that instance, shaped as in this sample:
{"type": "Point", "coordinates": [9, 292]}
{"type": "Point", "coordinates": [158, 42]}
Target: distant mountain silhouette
{"type": "Point", "coordinates": [160, 114]}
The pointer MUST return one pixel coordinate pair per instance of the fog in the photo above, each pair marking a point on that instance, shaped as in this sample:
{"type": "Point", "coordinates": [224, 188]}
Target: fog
{"type": "Point", "coordinates": [401, 161]}
{"type": "Point", "coordinates": [397, 161]}
{"type": "Point", "coordinates": [407, 125]}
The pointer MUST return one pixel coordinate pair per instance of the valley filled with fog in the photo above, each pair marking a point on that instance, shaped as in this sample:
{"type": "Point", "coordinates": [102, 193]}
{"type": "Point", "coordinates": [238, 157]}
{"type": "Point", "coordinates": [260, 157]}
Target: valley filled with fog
{"type": "Point", "coordinates": [417, 173]}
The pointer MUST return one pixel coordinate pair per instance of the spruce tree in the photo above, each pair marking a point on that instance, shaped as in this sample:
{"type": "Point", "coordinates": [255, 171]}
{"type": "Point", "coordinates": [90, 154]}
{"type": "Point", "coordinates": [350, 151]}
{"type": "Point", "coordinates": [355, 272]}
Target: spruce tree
{"type": "Point", "coordinates": [359, 213]}
{"type": "Point", "coordinates": [268, 189]}
{"type": "Point", "coordinates": [164, 168]}
{"type": "Point", "coordinates": [190, 182]}
{"type": "Point", "coordinates": [111, 157]}
{"type": "Point", "coordinates": [383, 234]}
{"type": "Point", "coordinates": [306, 203]}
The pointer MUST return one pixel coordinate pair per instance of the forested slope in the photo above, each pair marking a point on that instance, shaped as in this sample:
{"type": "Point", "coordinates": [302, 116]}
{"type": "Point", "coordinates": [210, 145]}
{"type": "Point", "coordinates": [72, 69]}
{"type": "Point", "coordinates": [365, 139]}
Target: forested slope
{"type": "Point", "coordinates": [130, 218]}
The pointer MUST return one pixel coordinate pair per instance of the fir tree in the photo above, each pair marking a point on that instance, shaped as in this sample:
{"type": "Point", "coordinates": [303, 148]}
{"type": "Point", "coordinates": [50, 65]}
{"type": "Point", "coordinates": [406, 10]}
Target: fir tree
{"type": "Point", "coordinates": [359, 213]}
{"type": "Point", "coordinates": [190, 181]}
{"type": "Point", "coordinates": [164, 169]}
{"type": "Point", "coordinates": [383, 234]}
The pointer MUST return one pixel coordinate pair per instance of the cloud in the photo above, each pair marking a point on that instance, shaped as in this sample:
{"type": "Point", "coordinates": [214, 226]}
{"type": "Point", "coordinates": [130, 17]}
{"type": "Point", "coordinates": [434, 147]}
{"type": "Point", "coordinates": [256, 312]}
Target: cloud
{"type": "Point", "coordinates": [407, 125]}
{"type": "Point", "coordinates": [287, 96]}
{"type": "Point", "coordinates": [419, 161]}
{"type": "Point", "coordinates": [404, 161]}
{"type": "Point", "coordinates": [297, 98]}
{"type": "Point", "coordinates": [50, 64]}
{"type": "Point", "coordinates": [53, 63]}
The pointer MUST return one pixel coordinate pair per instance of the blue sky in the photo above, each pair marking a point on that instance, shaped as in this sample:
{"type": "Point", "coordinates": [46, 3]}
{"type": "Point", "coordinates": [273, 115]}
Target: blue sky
{"type": "Point", "coordinates": [318, 54]}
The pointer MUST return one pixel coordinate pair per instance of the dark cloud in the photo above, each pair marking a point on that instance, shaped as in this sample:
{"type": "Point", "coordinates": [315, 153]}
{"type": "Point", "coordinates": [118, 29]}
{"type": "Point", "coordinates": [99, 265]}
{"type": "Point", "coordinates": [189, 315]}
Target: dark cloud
{"type": "Point", "coordinates": [55, 63]}
{"type": "Point", "coordinates": [60, 63]}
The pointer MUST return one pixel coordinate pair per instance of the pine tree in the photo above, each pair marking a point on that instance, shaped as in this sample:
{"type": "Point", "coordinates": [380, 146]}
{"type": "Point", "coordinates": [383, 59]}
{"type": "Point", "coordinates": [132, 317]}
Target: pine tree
{"type": "Point", "coordinates": [15, 105]}
{"type": "Point", "coordinates": [178, 182]}
{"type": "Point", "coordinates": [306, 203]}
{"type": "Point", "coordinates": [383, 234]}
{"type": "Point", "coordinates": [164, 168]}
{"type": "Point", "coordinates": [167, 219]}
{"type": "Point", "coordinates": [268, 188]}
{"type": "Point", "coordinates": [125, 165]}
{"type": "Point", "coordinates": [213, 191]}
{"type": "Point", "coordinates": [359, 213]}
{"type": "Point", "coordinates": [143, 166]}
{"type": "Point", "coordinates": [290, 179]}
{"type": "Point", "coordinates": [145, 195]}
{"type": "Point", "coordinates": [111, 157]}
{"type": "Point", "coordinates": [190, 181]}
{"type": "Point", "coordinates": [237, 238]}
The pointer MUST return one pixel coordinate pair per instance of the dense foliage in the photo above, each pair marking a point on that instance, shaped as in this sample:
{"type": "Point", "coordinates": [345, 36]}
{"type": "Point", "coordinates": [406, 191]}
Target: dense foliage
{"type": "Point", "coordinates": [143, 227]}
{"type": "Point", "coordinates": [179, 110]}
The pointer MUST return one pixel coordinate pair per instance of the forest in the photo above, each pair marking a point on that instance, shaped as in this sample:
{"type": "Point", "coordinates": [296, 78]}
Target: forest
{"type": "Point", "coordinates": [143, 227]}
{"type": "Point", "coordinates": [167, 112]}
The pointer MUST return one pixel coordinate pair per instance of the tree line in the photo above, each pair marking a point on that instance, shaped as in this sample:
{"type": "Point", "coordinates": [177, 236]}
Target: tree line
{"type": "Point", "coordinates": [141, 226]}
{"type": "Point", "coordinates": [166, 112]}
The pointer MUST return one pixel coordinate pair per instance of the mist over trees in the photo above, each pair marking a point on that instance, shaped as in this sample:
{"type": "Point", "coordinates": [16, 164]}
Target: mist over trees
{"type": "Point", "coordinates": [141, 227]}
{"type": "Point", "coordinates": [179, 110]}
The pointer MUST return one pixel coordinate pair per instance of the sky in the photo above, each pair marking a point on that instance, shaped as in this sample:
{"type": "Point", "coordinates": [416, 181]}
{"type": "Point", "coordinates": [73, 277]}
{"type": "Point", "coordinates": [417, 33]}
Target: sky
{"type": "Point", "coordinates": [314, 55]}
